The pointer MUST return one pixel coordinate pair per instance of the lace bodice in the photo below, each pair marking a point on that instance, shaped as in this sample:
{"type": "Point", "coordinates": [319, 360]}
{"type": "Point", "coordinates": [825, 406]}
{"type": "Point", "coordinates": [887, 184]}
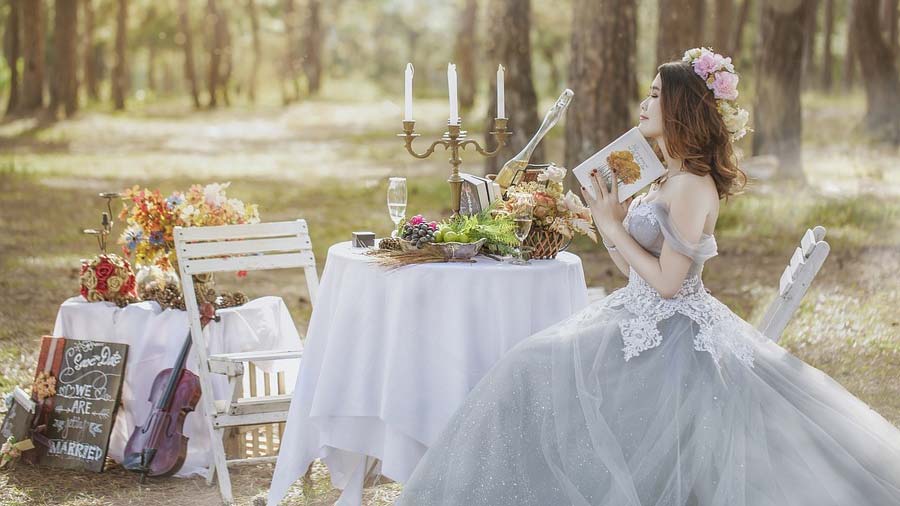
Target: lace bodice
{"type": "Point", "coordinates": [649, 224]}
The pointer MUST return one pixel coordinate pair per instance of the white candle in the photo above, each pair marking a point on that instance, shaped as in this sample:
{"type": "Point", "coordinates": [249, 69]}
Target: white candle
{"type": "Point", "coordinates": [501, 107]}
{"type": "Point", "coordinates": [407, 109]}
{"type": "Point", "coordinates": [451, 82]}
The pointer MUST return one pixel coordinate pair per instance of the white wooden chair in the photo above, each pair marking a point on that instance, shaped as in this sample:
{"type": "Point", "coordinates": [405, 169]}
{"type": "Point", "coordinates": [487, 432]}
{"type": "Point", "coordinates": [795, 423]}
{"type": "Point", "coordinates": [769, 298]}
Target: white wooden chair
{"type": "Point", "coordinates": [233, 248]}
{"type": "Point", "coordinates": [795, 280]}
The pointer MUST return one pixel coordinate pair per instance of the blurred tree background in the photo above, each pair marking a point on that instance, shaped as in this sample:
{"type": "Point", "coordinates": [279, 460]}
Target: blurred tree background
{"type": "Point", "coordinates": [65, 54]}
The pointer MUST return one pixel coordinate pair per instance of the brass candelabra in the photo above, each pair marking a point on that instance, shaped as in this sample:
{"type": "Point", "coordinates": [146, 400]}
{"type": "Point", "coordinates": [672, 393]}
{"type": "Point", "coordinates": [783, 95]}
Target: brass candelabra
{"type": "Point", "coordinates": [106, 223]}
{"type": "Point", "coordinates": [454, 140]}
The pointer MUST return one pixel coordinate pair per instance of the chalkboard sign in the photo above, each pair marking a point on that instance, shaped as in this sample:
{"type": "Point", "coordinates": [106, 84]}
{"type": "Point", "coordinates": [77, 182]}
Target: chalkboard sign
{"type": "Point", "coordinates": [88, 389]}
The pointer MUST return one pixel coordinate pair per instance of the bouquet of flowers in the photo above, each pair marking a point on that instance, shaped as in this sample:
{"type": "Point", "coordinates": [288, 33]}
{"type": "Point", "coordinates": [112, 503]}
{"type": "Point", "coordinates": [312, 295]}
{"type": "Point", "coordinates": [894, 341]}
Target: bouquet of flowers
{"type": "Point", "coordinates": [152, 218]}
{"type": "Point", "coordinates": [554, 209]}
{"type": "Point", "coordinates": [108, 277]}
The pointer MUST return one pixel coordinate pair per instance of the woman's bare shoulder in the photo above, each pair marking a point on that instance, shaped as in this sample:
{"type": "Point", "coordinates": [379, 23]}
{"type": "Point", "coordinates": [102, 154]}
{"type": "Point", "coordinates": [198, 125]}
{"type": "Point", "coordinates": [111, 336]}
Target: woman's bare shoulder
{"type": "Point", "coordinates": [691, 186]}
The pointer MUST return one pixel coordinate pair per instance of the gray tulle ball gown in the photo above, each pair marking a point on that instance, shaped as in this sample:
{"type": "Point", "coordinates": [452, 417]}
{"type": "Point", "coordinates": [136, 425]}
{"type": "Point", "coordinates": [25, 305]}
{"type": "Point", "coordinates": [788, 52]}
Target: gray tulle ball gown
{"type": "Point", "coordinates": [639, 400]}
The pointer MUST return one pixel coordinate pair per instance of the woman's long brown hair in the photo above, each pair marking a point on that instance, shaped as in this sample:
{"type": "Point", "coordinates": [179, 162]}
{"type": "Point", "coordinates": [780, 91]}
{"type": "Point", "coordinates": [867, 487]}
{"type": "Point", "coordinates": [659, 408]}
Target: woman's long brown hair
{"type": "Point", "coordinates": [694, 131]}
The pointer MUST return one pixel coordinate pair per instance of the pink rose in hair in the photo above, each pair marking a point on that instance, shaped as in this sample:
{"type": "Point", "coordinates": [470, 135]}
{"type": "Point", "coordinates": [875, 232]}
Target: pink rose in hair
{"type": "Point", "coordinates": [706, 64]}
{"type": "Point", "coordinates": [725, 86]}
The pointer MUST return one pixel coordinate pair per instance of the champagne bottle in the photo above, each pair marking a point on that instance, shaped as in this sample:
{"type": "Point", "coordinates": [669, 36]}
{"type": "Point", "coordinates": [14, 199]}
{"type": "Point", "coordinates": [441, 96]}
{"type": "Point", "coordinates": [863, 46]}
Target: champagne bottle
{"type": "Point", "coordinates": [518, 163]}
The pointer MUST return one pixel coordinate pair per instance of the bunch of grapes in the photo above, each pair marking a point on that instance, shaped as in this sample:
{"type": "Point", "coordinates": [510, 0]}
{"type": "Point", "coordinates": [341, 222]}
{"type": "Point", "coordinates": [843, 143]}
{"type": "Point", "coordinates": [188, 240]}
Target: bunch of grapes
{"type": "Point", "coordinates": [419, 235]}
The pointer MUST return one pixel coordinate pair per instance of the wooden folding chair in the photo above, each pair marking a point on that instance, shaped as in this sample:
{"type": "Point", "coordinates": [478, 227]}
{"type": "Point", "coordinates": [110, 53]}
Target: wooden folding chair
{"type": "Point", "coordinates": [795, 280]}
{"type": "Point", "coordinates": [231, 248]}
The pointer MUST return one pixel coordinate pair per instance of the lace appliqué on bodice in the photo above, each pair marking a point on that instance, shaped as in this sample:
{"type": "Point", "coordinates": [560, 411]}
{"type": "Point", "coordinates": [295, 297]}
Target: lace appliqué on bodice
{"type": "Point", "coordinates": [720, 330]}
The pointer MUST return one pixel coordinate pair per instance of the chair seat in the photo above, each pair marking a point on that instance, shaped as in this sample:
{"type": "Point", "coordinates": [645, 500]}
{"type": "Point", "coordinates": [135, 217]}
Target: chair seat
{"type": "Point", "coordinates": [232, 364]}
{"type": "Point", "coordinates": [252, 411]}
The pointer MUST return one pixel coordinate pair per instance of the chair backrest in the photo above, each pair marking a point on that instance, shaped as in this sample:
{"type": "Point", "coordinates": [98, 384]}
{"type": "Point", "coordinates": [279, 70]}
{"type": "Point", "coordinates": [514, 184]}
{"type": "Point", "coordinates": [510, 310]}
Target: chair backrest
{"type": "Point", "coordinates": [795, 280]}
{"type": "Point", "coordinates": [230, 248]}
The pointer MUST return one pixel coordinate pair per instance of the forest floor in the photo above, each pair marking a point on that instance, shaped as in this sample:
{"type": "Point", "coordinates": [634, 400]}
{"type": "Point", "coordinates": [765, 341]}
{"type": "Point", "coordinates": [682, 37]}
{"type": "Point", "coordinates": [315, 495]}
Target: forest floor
{"type": "Point", "coordinates": [327, 161]}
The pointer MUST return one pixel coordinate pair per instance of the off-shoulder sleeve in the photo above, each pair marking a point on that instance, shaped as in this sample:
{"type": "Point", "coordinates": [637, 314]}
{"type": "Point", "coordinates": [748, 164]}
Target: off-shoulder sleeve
{"type": "Point", "coordinates": [699, 252]}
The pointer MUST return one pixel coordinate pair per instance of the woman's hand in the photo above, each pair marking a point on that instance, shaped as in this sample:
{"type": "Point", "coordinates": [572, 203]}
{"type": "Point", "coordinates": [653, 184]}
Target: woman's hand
{"type": "Point", "coordinates": [605, 208]}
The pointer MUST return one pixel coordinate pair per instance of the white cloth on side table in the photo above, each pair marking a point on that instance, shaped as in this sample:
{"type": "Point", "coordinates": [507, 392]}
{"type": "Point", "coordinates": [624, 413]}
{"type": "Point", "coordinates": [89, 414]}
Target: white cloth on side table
{"type": "Point", "coordinates": [390, 355]}
{"type": "Point", "coordinates": [155, 337]}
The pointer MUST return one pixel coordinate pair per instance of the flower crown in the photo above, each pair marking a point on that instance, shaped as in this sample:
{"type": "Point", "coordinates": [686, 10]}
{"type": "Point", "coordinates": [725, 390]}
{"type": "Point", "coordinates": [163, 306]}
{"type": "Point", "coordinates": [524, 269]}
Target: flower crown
{"type": "Point", "coordinates": [719, 75]}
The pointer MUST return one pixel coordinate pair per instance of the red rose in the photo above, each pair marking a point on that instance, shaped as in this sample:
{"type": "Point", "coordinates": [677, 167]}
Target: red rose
{"type": "Point", "coordinates": [104, 270]}
{"type": "Point", "coordinates": [84, 291]}
{"type": "Point", "coordinates": [101, 286]}
{"type": "Point", "coordinates": [128, 287]}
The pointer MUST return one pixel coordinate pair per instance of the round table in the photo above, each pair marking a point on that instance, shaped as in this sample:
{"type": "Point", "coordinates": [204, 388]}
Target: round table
{"type": "Point", "coordinates": [390, 355]}
{"type": "Point", "coordinates": [155, 336]}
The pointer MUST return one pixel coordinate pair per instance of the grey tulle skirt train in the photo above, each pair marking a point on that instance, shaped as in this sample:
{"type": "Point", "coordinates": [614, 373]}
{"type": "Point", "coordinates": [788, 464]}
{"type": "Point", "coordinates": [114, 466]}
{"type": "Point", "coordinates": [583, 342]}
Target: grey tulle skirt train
{"type": "Point", "coordinates": [639, 400]}
{"type": "Point", "coordinates": [586, 413]}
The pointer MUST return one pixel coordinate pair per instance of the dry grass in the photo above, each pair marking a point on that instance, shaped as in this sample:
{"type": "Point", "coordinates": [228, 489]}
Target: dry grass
{"type": "Point", "coordinates": [326, 162]}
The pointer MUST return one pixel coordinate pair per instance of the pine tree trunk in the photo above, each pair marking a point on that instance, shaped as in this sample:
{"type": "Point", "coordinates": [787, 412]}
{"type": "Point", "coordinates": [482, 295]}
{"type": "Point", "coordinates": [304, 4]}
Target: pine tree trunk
{"type": "Point", "coordinates": [809, 43]}
{"type": "Point", "coordinates": [827, 50]}
{"type": "Point", "coordinates": [509, 44]}
{"type": "Point", "coordinates": [890, 21]}
{"type": "Point", "coordinates": [120, 69]}
{"type": "Point", "coordinates": [253, 13]}
{"type": "Point", "coordinates": [187, 43]}
{"type": "Point", "coordinates": [465, 57]}
{"type": "Point", "coordinates": [881, 83]}
{"type": "Point", "coordinates": [724, 23]}
{"type": "Point", "coordinates": [11, 52]}
{"type": "Point", "coordinates": [680, 28]}
{"type": "Point", "coordinates": [215, 55]}
{"type": "Point", "coordinates": [290, 54]}
{"type": "Point", "coordinates": [89, 64]}
{"type": "Point", "coordinates": [603, 106]}
{"type": "Point", "coordinates": [778, 120]}
{"type": "Point", "coordinates": [65, 79]}
{"type": "Point", "coordinates": [225, 48]}
{"type": "Point", "coordinates": [32, 97]}
{"type": "Point", "coordinates": [737, 44]}
{"type": "Point", "coordinates": [629, 40]}
{"type": "Point", "coordinates": [312, 46]}
{"type": "Point", "coordinates": [151, 51]}
{"type": "Point", "coordinates": [849, 70]}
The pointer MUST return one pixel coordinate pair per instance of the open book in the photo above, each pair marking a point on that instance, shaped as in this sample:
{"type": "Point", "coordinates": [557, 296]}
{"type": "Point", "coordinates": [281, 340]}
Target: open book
{"type": "Point", "coordinates": [641, 154]}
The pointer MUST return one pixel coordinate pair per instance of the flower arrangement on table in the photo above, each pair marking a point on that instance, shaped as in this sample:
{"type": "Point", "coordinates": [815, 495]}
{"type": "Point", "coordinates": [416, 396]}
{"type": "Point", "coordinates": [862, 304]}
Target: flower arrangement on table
{"type": "Point", "coordinates": [557, 216]}
{"type": "Point", "coordinates": [152, 219]}
{"type": "Point", "coordinates": [149, 237]}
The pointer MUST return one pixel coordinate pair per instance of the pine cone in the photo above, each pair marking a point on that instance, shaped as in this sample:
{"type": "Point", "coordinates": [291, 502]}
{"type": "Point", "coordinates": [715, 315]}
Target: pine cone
{"type": "Point", "coordinates": [389, 243]}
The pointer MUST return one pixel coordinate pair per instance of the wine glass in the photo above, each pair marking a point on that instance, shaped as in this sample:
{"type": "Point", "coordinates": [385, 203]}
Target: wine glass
{"type": "Point", "coordinates": [396, 201]}
{"type": "Point", "coordinates": [523, 218]}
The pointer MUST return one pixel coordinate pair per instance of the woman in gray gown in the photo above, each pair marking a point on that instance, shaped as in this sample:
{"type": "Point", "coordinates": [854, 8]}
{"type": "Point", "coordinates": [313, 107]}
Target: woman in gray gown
{"type": "Point", "coordinates": [659, 395]}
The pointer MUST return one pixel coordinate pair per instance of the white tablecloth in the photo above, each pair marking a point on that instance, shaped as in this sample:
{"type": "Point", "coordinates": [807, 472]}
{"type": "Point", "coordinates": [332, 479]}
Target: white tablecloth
{"type": "Point", "coordinates": [390, 356]}
{"type": "Point", "coordinates": [154, 338]}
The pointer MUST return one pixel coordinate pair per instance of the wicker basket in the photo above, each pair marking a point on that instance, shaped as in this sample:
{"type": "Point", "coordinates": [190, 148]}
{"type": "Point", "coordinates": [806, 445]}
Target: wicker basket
{"type": "Point", "coordinates": [545, 243]}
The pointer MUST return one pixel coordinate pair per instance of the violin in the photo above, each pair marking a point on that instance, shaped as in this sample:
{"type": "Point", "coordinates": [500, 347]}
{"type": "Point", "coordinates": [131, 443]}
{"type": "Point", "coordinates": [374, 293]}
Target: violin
{"type": "Point", "coordinates": [159, 446]}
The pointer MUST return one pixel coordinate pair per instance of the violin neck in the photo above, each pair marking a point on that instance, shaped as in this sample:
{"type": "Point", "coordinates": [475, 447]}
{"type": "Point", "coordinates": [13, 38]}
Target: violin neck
{"type": "Point", "coordinates": [176, 373]}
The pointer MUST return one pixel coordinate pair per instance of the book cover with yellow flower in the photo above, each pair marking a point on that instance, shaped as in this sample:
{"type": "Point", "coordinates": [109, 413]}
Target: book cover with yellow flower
{"type": "Point", "coordinates": [630, 157]}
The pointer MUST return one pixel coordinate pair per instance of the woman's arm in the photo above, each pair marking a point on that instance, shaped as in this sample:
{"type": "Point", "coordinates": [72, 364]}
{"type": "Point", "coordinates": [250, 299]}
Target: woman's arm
{"type": "Point", "coordinates": [618, 259]}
